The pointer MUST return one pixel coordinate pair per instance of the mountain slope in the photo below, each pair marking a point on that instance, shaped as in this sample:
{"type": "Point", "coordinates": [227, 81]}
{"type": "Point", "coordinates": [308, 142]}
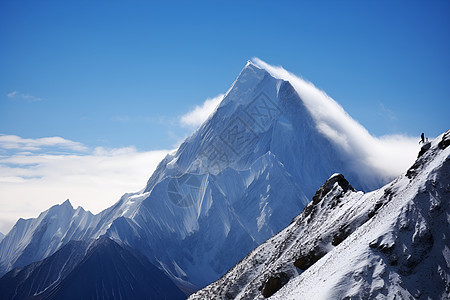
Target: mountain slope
{"type": "Point", "coordinates": [232, 202]}
{"type": "Point", "coordinates": [81, 271]}
{"type": "Point", "coordinates": [38, 278]}
{"type": "Point", "coordinates": [239, 179]}
{"type": "Point", "coordinates": [392, 242]}
{"type": "Point", "coordinates": [112, 272]}
{"type": "Point", "coordinates": [34, 239]}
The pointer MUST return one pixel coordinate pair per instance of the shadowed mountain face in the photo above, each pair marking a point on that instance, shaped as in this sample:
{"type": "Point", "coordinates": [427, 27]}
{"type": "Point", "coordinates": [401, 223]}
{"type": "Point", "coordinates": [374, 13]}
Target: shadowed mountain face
{"type": "Point", "coordinates": [237, 181]}
{"type": "Point", "coordinates": [78, 271]}
{"type": "Point", "coordinates": [40, 277]}
{"type": "Point", "coordinates": [391, 243]}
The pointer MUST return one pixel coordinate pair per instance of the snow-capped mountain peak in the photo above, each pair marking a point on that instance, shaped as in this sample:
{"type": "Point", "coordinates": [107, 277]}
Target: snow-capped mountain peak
{"type": "Point", "coordinates": [236, 181]}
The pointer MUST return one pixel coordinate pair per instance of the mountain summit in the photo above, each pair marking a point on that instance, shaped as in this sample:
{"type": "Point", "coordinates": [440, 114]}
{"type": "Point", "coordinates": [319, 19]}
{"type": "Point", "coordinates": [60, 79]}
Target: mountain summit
{"type": "Point", "coordinates": [234, 183]}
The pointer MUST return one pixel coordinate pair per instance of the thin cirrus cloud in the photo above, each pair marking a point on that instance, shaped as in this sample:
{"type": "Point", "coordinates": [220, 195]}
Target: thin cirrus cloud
{"type": "Point", "coordinates": [387, 156]}
{"type": "Point", "coordinates": [38, 173]}
{"type": "Point", "coordinates": [14, 142]}
{"type": "Point", "coordinates": [384, 111]}
{"type": "Point", "coordinates": [199, 114]}
{"type": "Point", "coordinates": [27, 97]}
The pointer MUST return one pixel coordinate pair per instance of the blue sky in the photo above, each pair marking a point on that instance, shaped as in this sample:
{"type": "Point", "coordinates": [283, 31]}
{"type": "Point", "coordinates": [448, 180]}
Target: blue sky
{"type": "Point", "coordinates": [114, 75]}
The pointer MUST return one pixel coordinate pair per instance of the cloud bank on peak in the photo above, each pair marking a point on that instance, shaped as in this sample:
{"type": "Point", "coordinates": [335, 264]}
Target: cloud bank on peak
{"type": "Point", "coordinates": [388, 155]}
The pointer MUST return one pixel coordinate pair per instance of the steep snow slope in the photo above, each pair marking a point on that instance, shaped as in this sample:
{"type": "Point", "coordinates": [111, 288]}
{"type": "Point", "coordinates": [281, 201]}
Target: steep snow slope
{"type": "Point", "coordinates": [2, 236]}
{"type": "Point", "coordinates": [389, 243]}
{"type": "Point", "coordinates": [403, 251]}
{"type": "Point", "coordinates": [239, 179]}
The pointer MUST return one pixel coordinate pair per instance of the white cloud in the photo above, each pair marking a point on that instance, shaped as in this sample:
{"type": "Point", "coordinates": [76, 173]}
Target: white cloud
{"type": "Point", "coordinates": [19, 143]}
{"type": "Point", "coordinates": [32, 182]}
{"type": "Point", "coordinates": [12, 94]}
{"type": "Point", "coordinates": [197, 116]}
{"type": "Point", "coordinates": [18, 95]}
{"type": "Point", "coordinates": [387, 156]}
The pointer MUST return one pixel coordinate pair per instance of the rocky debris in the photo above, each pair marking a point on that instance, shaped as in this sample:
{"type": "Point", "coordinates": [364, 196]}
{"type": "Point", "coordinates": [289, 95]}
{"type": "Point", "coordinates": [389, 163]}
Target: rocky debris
{"type": "Point", "coordinates": [328, 186]}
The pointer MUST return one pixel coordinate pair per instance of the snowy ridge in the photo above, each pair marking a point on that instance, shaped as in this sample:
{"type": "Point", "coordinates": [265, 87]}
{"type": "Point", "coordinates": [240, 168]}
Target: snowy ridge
{"type": "Point", "coordinates": [392, 242]}
{"type": "Point", "coordinates": [34, 239]}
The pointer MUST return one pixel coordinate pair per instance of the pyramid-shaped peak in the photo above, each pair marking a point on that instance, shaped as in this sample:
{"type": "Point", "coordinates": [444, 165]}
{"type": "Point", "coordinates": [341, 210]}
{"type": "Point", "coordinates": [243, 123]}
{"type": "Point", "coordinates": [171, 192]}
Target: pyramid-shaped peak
{"type": "Point", "coordinates": [66, 206]}
{"type": "Point", "coordinates": [251, 64]}
{"type": "Point", "coordinates": [67, 203]}
{"type": "Point", "coordinates": [251, 69]}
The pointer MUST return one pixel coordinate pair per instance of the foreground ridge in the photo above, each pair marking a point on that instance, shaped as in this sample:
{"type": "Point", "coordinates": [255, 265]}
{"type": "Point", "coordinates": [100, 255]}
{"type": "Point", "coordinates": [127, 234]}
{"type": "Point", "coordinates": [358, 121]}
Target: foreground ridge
{"type": "Point", "coordinates": [386, 244]}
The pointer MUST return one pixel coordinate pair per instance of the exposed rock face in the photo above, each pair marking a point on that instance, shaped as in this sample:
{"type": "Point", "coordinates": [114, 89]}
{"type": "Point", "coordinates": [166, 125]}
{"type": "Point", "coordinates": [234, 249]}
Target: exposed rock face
{"type": "Point", "coordinates": [306, 261]}
{"type": "Point", "coordinates": [329, 184]}
{"type": "Point", "coordinates": [274, 283]}
{"type": "Point", "coordinates": [445, 142]}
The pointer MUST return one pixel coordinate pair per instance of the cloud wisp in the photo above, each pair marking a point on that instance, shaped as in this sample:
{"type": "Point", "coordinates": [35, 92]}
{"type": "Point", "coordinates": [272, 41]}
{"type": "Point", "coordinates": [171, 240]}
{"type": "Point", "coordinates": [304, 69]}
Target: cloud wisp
{"type": "Point", "coordinates": [27, 97]}
{"type": "Point", "coordinates": [14, 142]}
{"type": "Point", "coordinates": [384, 111]}
{"type": "Point", "coordinates": [387, 156]}
{"type": "Point", "coordinates": [37, 173]}
{"type": "Point", "coordinates": [199, 114]}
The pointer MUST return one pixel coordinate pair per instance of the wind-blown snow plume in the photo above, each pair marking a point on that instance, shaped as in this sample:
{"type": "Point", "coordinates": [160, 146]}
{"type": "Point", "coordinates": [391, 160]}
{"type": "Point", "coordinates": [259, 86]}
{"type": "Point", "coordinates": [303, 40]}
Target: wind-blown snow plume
{"type": "Point", "coordinates": [388, 155]}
